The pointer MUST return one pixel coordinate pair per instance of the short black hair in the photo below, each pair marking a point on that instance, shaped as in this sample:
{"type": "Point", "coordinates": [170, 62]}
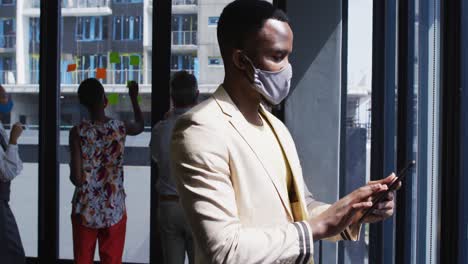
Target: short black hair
{"type": "Point", "coordinates": [184, 89]}
{"type": "Point", "coordinates": [90, 92]}
{"type": "Point", "coordinates": [242, 19]}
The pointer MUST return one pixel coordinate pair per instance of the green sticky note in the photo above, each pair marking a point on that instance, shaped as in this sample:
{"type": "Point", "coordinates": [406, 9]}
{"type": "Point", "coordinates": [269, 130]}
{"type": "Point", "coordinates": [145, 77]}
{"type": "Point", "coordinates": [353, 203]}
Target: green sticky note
{"type": "Point", "coordinates": [135, 60]}
{"type": "Point", "coordinates": [114, 57]}
{"type": "Point", "coordinates": [139, 99]}
{"type": "Point", "coordinates": [113, 99]}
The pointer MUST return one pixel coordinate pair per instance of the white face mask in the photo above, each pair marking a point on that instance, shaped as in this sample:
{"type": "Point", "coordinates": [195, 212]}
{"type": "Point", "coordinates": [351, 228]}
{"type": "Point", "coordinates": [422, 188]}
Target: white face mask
{"type": "Point", "coordinates": [274, 86]}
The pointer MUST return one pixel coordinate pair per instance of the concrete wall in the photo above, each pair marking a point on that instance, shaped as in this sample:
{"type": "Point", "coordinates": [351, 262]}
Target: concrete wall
{"type": "Point", "coordinates": [313, 109]}
{"type": "Point", "coordinates": [208, 41]}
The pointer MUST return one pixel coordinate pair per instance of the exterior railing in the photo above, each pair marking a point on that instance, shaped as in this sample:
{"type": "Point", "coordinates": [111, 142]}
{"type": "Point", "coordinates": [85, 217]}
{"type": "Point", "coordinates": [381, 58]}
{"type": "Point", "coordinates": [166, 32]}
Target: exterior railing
{"type": "Point", "coordinates": [76, 77]}
{"type": "Point", "coordinates": [173, 71]}
{"type": "Point", "coordinates": [184, 2]}
{"type": "Point", "coordinates": [7, 77]}
{"type": "Point", "coordinates": [7, 41]}
{"type": "Point", "coordinates": [76, 3]}
{"type": "Point", "coordinates": [112, 76]}
{"type": "Point", "coordinates": [184, 37]}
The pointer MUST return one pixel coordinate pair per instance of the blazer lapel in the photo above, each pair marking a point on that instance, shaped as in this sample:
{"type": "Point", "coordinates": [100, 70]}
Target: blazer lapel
{"type": "Point", "coordinates": [239, 123]}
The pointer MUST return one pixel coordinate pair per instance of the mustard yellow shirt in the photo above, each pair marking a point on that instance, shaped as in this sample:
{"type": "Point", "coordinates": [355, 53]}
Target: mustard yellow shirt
{"type": "Point", "coordinates": [271, 151]}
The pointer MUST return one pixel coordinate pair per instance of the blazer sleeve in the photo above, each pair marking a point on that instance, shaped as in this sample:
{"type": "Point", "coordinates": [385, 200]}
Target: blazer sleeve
{"type": "Point", "coordinates": [200, 165]}
{"type": "Point", "coordinates": [315, 207]}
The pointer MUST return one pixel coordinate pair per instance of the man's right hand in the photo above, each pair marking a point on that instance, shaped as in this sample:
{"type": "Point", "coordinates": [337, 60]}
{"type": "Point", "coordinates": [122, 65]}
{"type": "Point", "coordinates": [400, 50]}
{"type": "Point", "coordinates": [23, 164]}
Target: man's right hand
{"type": "Point", "coordinates": [341, 214]}
{"type": "Point", "coordinates": [15, 133]}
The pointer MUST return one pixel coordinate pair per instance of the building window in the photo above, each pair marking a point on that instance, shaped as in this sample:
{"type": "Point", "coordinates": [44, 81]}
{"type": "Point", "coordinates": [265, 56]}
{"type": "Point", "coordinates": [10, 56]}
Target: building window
{"type": "Point", "coordinates": [215, 61]}
{"type": "Point", "coordinates": [89, 28]}
{"type": "Point", "coordinates": [125, 71]}
{"type": "Point", "coordinates": [34, 69]}
{"type": "Point", "coordinates": [7, 33]}
{"type": "Point", "coordinates": [184, 2]}
{"type": "Point", "coordinates": [184, 29]}
{"type": "Point", "coordinates": [128, 1]}
{"type": "Point", "coordinates": [182, 62]}
{"type": "Point", "coordinates": [184, 23]}
{"type": "Point", "coordinates": [7, 2]}
{"type": "Point", "coordinates": [87, 65]}
{"type": "Point", "coordinates": [128, 28]}
{"type": "Point", "coordinates": [7, 70]}
{"type": "Point", "coordinates": [213, 21]}
{"type": "Point", "coordinates": [34, 30]}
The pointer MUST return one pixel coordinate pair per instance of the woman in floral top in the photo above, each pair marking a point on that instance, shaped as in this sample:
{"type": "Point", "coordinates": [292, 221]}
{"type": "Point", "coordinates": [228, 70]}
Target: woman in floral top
{"type": "Point", "coordinates": [96, 169]}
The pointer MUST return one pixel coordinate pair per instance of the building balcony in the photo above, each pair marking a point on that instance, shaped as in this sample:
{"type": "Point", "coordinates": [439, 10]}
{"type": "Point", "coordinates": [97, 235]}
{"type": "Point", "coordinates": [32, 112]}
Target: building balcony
{"type": "Point", "coordinates": [7, 77]}
{"type": "Point", "coordinates": [184, 2]}
{"type": "Point", "coordinates": [119, 77]}
{"type": "Point", "coordinates": [179, 6]}
{"type": "Point", "coordinates": [184, 40]}
{"type": "Point", "coordinates": [73, 88]}
{"type": "Point", "coordinates": [7, 43]}
{"type": "Point", "coordinates": [72, 8]}
{"type": "Point", "coordinates": [178, 2]}
{"type": "Point", "coordinates": [184, 6]}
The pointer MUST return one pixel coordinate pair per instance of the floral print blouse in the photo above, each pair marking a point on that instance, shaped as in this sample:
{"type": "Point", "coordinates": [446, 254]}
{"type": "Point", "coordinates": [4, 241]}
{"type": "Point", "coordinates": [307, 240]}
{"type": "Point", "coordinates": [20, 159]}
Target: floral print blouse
{"type": "Point", "coordinates": [100, 201]}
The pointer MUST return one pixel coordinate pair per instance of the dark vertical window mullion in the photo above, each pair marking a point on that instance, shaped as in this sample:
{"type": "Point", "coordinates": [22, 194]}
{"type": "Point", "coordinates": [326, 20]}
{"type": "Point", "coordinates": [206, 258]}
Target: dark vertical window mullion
{"type": "Point", "coordinates": [450, 235]}
{"type": "Point", "coordinates": [49, 91]}
{"type": "Point", "coordinates": [378, 44]}
{"type": "Point", "coordinates": [406, 131]}
{"type": "Point", "coordinates": [344, 100]}
{"type": "Point", "coordinates": [463, 199]}
{"type": "Point", "coordinates": [383, 118]}
{"type": "Point", "coordinates": [160, 75]}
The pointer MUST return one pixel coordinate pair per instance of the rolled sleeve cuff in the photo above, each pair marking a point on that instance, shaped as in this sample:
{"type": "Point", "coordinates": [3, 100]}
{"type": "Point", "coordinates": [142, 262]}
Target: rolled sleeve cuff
{"type": "Point", "coordinates": [12, 147]}
{"type": "Point", "coordinates": [306, 242]}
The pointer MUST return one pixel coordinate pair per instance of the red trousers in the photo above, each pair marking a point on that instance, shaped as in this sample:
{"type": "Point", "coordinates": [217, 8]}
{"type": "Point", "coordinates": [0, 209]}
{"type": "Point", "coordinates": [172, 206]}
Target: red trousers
{"type": "Point", "coordinates": [111, 242]}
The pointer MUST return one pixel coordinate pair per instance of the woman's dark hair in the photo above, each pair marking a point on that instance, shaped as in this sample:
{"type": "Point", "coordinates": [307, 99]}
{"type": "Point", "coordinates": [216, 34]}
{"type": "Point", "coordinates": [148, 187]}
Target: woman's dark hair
{"type": "Point", "coordinates": [90, 92]}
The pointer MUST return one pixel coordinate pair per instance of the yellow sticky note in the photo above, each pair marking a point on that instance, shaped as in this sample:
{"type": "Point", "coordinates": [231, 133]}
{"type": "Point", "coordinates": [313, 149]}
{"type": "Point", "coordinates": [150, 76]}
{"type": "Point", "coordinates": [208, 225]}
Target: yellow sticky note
{"type": "Point", "coordinates": [101, 73]}
{"type": "Point", "coordinates": [71, 67]}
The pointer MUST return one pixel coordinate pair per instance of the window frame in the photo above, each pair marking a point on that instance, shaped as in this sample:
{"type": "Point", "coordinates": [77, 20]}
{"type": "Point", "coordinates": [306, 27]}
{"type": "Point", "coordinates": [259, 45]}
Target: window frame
{"type": "Point", "coordinates": [2, 3]}
{"type": "Point", "coordinates": [81, 26]}
{"type": "Point", "coordinates": [127, 30]}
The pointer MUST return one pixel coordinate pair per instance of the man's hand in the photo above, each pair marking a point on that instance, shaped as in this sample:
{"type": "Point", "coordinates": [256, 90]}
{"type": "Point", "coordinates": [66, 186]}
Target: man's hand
{"type": "Point", "coordinates": [342, 213]}
{"type": "Point", "coordinates": [386, 207]}
{"type": "Point", "coordinates": [15, 133]}
{"type": "Point", "coordinates": [133, 89]}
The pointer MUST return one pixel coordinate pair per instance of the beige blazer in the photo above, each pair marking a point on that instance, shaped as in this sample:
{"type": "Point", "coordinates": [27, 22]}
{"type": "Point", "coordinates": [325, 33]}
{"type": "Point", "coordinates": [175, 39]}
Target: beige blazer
{"type": "Point", "coordinates": [238, 211]}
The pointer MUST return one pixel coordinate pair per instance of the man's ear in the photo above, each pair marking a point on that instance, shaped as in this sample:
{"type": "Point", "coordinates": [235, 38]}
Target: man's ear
{"type": "Point", "coordinates": [239, 60]}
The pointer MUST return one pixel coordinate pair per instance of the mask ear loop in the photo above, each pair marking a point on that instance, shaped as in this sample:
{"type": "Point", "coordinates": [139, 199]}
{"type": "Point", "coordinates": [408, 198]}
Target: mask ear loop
{"type": "Point", "coordinates": [251, 77]}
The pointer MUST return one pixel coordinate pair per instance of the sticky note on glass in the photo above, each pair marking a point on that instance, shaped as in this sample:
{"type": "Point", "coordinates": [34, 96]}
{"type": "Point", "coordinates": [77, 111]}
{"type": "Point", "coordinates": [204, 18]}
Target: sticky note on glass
{"type": "Point", "coordinates": [114, 57]}
{"type": "Point", "coordinates": [101, 73]}
{"type": "Point", "coordinates": [139, 99]}
{"type": "Point", "coordinates": [71, 67]}
{"type": "Point", "coordinates": [113, 98]}
{"type": "Point", "coordinates": [134, 60]}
